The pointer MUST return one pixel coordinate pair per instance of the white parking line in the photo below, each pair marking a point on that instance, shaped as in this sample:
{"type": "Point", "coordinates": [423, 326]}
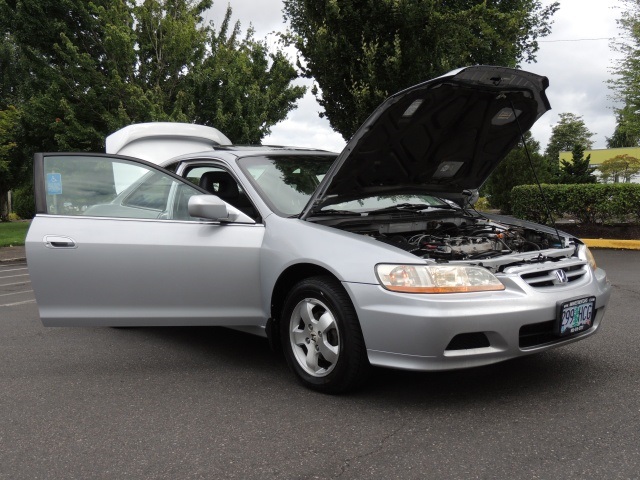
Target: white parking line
{"type": "Point", "coordinates": [13, 269]}
{"type": "Point", "coordinates": [12, 276]}
{"type": "Point", "coordinates": [17, 283]}
{"type": "Point", "coordinates": [14, 293]}
{"type": "Point", "coordinates": [17, 303]}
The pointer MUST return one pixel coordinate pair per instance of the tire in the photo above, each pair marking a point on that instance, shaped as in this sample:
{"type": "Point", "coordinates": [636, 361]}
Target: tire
{"type": "Point", "coordinates": [321, 336]}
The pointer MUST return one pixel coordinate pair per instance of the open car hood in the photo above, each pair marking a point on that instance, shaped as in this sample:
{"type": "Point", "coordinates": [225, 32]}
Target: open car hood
{"type": "Point", "coordinates": [442, 137]}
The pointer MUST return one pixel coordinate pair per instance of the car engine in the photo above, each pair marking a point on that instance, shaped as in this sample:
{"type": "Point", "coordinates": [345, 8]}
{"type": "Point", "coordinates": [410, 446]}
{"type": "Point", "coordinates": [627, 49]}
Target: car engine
{"type": "Point", "coordinates": [448, 241]}
{"type": "Point", "coordinates": [455, 237]}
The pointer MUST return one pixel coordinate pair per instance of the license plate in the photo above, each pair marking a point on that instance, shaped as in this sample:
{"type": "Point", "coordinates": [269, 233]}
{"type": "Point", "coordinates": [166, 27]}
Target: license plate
{"type": "Point", "coordinates": [576, 315]}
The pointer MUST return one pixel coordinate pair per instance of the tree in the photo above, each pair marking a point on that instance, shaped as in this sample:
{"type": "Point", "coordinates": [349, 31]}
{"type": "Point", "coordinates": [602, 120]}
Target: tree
{"type": "Point", "coordinates": [515, 170]}
{"type": "Point", "coordinates": [619, 169]}
{"type": "Point", "coordinates": [627, 131]}
{"type": "Point", "coordinates": [105, 64]}
{"type": "Point", "coordinates": [171, 42]}
{"type": "Point", "coordinates": [361, 51]}
{"type": "Point", "coordinates": [12, 171]}
{"type": "Point", "coordinates": [565, 135]}
{"type": "Point", "coordinates": [626, 82]}
{"type": "Point", "coordinates": [578, 169]}
{"type": "Point", "coordinates": [241, 88]}
{"type": "Point", "coordinates": [9, 68]}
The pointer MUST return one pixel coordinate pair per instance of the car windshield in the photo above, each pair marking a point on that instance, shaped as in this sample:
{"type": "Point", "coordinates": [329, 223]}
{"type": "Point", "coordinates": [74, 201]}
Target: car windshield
{"type": "Point", "coordinates": [286, 182]}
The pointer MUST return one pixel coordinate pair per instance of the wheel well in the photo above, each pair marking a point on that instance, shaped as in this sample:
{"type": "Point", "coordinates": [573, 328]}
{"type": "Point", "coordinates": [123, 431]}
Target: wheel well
{"type": "Point", "coordinates": [288, 279]}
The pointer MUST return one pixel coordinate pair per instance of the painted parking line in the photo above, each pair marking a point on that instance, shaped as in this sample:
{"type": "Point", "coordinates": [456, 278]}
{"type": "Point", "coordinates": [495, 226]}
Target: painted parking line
{"type": "Point", "coordinates": [15, 293]}
{"type": "Point", "coordinates": [13, 276]}
{"type": "Point", "coordinates": [17, 303]}
{"type": "Point", "coordinates": [13, 269]}
{"type": "Point", "coordinates": [17, 283]}
{"type": "Point", "coordinates": [18, 279]}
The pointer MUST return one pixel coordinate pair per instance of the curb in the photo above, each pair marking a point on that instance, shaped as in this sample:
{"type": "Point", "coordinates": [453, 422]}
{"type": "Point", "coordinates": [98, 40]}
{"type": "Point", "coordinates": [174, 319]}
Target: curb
{"type": "Point", "coordinates": [615, 244]}
{"type": "Point", "coordinates": [16, 253]}
{"type": "Point", "coordinates": [16, 259]}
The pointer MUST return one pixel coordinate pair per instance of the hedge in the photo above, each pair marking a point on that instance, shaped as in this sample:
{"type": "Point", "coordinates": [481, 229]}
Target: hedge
{"type": "Point", "coordinates": [588, 203]}
{"type": "Point", "coordinates": [23, 203]}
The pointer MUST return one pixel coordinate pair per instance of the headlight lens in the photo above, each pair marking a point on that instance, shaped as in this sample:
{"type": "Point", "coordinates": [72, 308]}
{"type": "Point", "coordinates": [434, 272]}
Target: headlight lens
{"type": "Point", "coordinates": [436, 278]}
{"type": "Point", "coordinates": [585, 254]}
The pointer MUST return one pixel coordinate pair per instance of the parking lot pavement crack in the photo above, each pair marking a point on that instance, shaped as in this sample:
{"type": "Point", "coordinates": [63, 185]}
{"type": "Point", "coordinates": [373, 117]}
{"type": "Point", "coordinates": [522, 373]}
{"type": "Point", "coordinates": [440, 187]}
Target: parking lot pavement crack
{"type": "Point", "coordinates": [346, 465]}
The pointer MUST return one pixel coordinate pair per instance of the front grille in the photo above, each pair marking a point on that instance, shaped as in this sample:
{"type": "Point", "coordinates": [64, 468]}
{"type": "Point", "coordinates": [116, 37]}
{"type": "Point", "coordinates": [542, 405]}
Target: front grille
{"type": "Point", "coordinates": [549, 278]}
{"type": "Point", "coordinates": [464, 341]}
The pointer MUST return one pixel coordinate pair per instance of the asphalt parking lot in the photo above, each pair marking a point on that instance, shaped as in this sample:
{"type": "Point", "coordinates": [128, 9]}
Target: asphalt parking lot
{"type": "Point", "coordinates": [213, 403]}
{"type": "Point", "coordinates": [15, 286]}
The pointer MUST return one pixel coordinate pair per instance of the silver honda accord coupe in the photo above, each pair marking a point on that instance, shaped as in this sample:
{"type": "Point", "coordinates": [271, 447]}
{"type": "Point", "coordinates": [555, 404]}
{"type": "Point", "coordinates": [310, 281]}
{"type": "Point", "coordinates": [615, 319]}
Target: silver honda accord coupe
{"type": "Point", "coordinates": [374, 256]}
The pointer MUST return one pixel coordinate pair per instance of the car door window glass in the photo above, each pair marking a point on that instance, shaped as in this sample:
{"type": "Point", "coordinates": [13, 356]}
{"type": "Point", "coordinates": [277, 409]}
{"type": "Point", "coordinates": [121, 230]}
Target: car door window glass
{"type": "Point", "coordinates": [108, 187]}
{"type": "Point", "coordinates": [151, 193]}
{"type": "Point", "coordinates": [220, 182]}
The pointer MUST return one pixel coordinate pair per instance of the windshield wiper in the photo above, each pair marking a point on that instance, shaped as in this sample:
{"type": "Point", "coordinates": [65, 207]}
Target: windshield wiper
{"type": "Point", "coordinates": [408, 207]}
{"type": "Point", "coordinates": [330, 211]}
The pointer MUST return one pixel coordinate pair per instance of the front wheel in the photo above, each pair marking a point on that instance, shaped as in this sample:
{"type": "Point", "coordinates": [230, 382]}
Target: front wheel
{"type": "Point", "coordinates": [321, 336]}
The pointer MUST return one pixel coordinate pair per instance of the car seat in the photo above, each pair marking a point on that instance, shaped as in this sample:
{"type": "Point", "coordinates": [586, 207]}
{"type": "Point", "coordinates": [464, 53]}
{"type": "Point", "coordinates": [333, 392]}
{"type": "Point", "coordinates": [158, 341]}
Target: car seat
{"type": "Point", "coordinates": [223, 185]}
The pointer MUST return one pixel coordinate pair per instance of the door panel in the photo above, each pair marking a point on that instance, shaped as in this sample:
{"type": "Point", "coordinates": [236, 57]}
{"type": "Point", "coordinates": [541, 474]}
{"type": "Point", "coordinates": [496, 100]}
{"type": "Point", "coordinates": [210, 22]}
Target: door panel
{"type": "Point", "coordinates": [97, 264]}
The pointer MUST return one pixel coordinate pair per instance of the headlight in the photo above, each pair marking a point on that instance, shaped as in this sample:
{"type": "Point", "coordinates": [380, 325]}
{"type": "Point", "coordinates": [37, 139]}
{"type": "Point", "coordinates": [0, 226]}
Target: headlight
{"type": "Point", "coordinates": [585, 254]}
{"type": "Point", "coordinates": [436, 278]}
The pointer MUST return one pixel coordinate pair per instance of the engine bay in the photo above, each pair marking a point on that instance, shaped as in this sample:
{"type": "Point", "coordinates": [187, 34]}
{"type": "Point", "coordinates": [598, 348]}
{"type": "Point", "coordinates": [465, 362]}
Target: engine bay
{"type": "Point", "coordinates": [462, 237]}
{"type": "Point", "coordinates": [445, 239]}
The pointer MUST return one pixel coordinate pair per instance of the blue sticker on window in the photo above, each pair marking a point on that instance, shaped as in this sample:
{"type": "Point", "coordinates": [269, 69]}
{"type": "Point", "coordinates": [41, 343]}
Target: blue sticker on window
{"type": "Point", "coordinates": [54, 184]}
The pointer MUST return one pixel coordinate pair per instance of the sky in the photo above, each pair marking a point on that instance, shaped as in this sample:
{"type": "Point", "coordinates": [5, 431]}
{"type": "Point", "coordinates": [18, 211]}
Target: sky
{"type": "Point", "coordinates": [576, 58]}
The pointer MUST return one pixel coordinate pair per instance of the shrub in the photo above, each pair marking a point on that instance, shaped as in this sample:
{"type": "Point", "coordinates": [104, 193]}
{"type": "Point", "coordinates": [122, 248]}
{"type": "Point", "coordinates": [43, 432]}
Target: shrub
{"type": "Point", "coordinates": [24, 204]}
{"type": "Point", "coordinates": [482, 204]}
{"type": "Point", "coordinates": [587, 203]}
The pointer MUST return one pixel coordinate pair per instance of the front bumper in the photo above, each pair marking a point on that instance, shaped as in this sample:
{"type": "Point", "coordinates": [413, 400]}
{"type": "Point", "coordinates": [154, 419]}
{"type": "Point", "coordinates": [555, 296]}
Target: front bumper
{"type": "Point", "coordinates": [415, 331]}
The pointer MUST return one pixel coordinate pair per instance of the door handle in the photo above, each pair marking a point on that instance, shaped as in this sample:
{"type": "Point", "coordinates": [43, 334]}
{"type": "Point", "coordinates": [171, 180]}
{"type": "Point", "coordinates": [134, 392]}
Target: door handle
{"type": "Point", "coordinates": [57, 241]}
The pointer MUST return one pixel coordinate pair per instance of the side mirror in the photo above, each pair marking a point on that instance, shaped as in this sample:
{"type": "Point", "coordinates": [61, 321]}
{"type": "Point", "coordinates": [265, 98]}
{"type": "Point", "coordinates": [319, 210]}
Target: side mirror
{"type": "Point", "coordinates": [214, 208]}
{"type": "Point", "coordinates": [209, 207]}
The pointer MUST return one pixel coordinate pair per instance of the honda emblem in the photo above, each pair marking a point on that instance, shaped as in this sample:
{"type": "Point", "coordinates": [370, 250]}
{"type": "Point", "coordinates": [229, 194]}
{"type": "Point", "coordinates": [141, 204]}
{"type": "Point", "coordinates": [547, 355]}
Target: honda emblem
{"type": "Point", "coordinates": [561, 276]}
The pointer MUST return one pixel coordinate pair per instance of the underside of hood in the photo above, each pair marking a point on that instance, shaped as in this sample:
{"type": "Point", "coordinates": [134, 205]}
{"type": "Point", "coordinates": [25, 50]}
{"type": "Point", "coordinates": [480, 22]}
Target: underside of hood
{"type": "Point", "coordinates": [442, 136]}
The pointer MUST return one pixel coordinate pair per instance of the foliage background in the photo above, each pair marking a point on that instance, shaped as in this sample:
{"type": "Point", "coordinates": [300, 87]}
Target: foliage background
{"type": "Point", "coordinates": [589, 204]}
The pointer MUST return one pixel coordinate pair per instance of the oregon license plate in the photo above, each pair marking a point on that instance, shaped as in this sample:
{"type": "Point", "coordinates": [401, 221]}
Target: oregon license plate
{"type": "Point", "coordinates": [576, 315]}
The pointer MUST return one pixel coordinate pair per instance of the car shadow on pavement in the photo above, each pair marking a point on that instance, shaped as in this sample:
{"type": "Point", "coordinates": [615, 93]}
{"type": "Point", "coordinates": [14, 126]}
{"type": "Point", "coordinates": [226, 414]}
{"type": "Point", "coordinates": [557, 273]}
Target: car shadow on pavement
{"type": "Point", "coordinates": [212, 344]}
{"type": "Point", "coordinates": [537, 374]}
{"type": "Point", "coordinates": [557, 372]}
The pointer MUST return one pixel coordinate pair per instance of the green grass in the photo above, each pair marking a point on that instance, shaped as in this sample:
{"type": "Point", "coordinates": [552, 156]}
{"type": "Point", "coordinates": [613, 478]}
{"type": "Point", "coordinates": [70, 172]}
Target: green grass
{"type": "Point", "coordinates": [13, 233]}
